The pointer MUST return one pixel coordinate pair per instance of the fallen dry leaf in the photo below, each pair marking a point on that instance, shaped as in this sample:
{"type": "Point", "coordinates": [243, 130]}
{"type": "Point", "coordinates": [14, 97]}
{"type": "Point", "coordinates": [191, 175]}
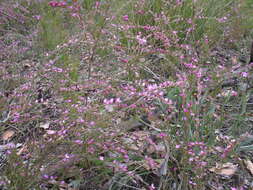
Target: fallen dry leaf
{"type": "Point", "coordinates": [227, 169]}
{"type": "Point", "coordinates": [234, 60]}
{"type": "Point", "coordinates": [44, 125]}
{"type": "Point", "coordinates": [8, 134]}
{"type": "Point", "coordinates": [141, 135]}
{"type": "Point", "coordinates": [60, 184]}
{"type": "Point", "coordinates": [249, 166]}
{"type": "Point", "coordinates": [151, 149]}
{"type": "Point", "coordinates": [23, 149]}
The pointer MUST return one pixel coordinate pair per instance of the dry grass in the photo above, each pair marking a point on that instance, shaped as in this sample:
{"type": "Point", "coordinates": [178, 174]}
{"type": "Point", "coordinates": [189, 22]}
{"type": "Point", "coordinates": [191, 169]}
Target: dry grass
{"type": "Point", "coordinates": [116, 95]}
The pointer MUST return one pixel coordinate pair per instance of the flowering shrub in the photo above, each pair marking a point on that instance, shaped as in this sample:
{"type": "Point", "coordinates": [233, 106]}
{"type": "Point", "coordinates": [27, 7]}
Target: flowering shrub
{"type": "Point", "coordinates": [57, 4]}
{"type": "Point", "coordinates": [124, 95]}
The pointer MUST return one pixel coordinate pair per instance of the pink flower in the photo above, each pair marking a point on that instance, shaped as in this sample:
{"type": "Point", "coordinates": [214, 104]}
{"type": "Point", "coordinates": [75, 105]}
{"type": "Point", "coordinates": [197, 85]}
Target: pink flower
{"type": "Point", "coordinates": [223, 19]}
{"type": "Point", "coordinates": [80, 120]}
{"type": "Point", "coordinates": [74, 15]}
{"type": "Point", "coordinates": [37, 17]}
{"type": "Point", "coordinates": [141, 41]}
{"type": "Point", "coordinates": [118, 100]}
{"type": "Point", "coordinates": [141, 12]}
{"type": "Point", "coordinates": [124, 60]}
{"type": "Point", "coordinates": [244, 74]}
{"type": "Point", "coordinates": [90, 141]}
{"type": "Point", "coordinates": [79, 142]}
{"type": "Point", "coordinates": [92, 123]}
{"type": "Point", "coordinates": [57, 4]}
{"type": "Point", "coordinates": [163, 135]}
{"type": "Point", "coordinates": [53, 3]}
{"type": "Point", "coordinates": [51, 132]}
{"type": "Point", "coordinates": [97, 4]}
{"type": "Point", "coordinates": [45, 176]}
{"type": "Point", "coordinates": [151, 163]}
{"type": "Point", "coordinates": [234, 93]}
{"type": "Point", "coordinates": [152, 187]}
{"type": "Point", "coordinates": [125, 18]}
{"type": "Point", "coordinates": [62, 4]}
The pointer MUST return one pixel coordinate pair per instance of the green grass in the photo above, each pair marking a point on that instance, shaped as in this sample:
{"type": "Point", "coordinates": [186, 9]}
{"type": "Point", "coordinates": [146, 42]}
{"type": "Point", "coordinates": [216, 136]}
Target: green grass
{"type": "Point", "coordinates": [98, 76]}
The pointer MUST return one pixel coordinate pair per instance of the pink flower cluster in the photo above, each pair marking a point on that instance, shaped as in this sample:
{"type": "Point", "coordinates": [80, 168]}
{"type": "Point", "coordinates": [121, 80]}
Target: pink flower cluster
{"type": "Point", "coordinates": [57, 4]}
{"type": "Point", "coordinates": [197, 152]}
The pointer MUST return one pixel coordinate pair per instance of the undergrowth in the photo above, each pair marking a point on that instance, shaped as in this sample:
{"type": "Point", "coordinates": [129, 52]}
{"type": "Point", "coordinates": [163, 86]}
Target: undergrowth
{"type": "Point", "coordinates": [147, 94]}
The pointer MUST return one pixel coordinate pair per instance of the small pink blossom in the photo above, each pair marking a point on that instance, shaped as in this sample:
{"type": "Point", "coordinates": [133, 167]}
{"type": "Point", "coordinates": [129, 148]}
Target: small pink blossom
{"type": "Point", "coordinates": [37, 17]}
{"type": "Point", "coordinates": [53, 3]}
{"type": "Point", "coordinates": [152, 187]}
{"type": "Point", "coordinates": [91, 141]}
{"type": "Point", "coordinates": [92, 123]}
{"type": "Point", "coordinates": [192, 183]}
{"type": "Point", "coordinates": [79, 142]}
{"type": "Point", "coordinates": [141, 12]}
{"type": "Point", "coordinates": [244, 74]}
{"type": "Point", "coordinates": [191, 159]}
{"type": "Point", "coordinates": [80, 120]}
{"type": "Point", "coordinates": [51, 132]}
{"type": "Point", "coordinates": [57, 4]}
{"type": "Point", "coordinates": [151, 163]}
{"type": "Point", "coordinates": [45, 176]}
{"type": "Point", "coordinates": [125, 18]}
{"type": "Point", "coordinates": [234, 93]}
{"type": "Point", "coordinates": [118, 100]}
{"type": "Point", "coordinates": [91, 150]}
{"type": "Point", "coordinates": [162, 135]}
{"type": "Point", "coordinates": [74, 14]}
{"type": "Point", "coordinates": [141, 41]}
{"type": "Point", "coordinates": [97, 5]}
{"type": "Point", "coordinates": [124, 60]}
{"type": "Point", "coordinates": [223, 19]}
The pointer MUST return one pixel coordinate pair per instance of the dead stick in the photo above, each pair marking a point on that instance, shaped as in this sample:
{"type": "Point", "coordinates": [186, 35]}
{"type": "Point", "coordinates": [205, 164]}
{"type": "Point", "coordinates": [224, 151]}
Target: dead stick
{"type": "Point", "coordinates": [251, 54]}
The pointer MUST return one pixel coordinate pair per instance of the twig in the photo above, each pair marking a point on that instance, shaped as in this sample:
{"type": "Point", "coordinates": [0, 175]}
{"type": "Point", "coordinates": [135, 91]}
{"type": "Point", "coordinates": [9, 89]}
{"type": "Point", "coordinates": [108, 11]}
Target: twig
{"type": "Point", "coordinates": [6, 119]}
{"type": "Point", "coordinates": [132, 187]}
{"type": "Point", "coordinates": [151, 72]}
{"type": "Point", "coordinates": [150, 125]}
{"type": "Point", "coordinates": [251, 54]}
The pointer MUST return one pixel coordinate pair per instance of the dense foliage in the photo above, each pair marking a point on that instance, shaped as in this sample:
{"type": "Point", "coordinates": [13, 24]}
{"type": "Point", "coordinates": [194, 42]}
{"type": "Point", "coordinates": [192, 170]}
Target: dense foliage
{"type": "Point", "coordinates": [114, 94]}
